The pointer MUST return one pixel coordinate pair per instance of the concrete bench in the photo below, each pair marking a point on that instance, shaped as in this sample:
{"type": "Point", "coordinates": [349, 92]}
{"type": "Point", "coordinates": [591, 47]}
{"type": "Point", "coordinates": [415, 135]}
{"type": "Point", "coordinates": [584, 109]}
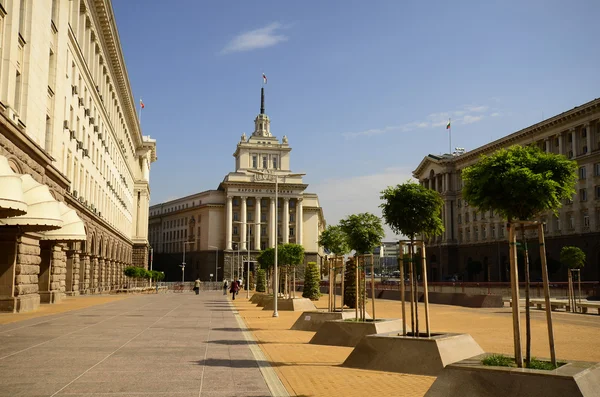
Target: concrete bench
{"type": "Point", "coordinates": [554, 304]}
{"type": "Point", "coordinates": [593, 305]}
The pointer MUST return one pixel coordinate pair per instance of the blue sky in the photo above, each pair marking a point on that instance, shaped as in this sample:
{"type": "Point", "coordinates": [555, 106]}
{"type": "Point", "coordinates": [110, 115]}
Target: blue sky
{"type": "Point", "coordinates": [363, 90]}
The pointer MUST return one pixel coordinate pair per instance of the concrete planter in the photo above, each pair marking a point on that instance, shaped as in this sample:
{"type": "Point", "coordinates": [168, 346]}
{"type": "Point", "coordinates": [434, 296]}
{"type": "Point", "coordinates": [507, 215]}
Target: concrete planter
{"type": "Point", "coordinates": [470, 378]}
{"type": "Point", "coordinates": [257, 297]}
{"type": "Point", "coordinates": [349, 333]}
{"type": "Point", "coordinates": [394, 352]}
{"type": "Point", "coordinates": [263, 299]}
{"type": "Point", "coordinates": [313, 320]}
{"type": "Point", "coordinates": [293, 304]}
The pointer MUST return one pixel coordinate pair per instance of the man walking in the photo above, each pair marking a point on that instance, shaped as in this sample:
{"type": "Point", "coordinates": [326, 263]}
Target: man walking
{"type": "Point", "coordinates": [234, 289]}
{"type": "Point", "coordinates": [197, 286]}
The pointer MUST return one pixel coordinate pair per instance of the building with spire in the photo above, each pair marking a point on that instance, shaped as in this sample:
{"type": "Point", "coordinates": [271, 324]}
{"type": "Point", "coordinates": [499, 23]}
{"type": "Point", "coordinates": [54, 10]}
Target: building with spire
{"type": "Point", "coordinates": [220, 230]}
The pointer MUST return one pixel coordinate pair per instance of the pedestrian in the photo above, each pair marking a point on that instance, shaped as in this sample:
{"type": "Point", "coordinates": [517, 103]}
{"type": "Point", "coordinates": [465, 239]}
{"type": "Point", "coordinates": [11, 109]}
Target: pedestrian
{"type": "Point", "coordinates": [234, 289]}
{"type": "Point", "coordinates": [239, 284]}
{"type": "Point", "coordinates": [197, 286]}
{"type": "Point", "coordinates": [225, 287]}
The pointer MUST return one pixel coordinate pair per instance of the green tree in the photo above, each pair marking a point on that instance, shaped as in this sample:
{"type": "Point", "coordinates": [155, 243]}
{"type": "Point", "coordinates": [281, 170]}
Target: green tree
{"type": "Point", "coordinates": [311, 282]}
{"type": "Point", "coordinates": [350, 284]}
{"type": "Point", "coordinates": [294, 257]}
{"type": "Point", "coordinates": [261, 281]}
{"type": "Point", "coordinates": [363, 233]}
{"type": "Point", "coordinates": [520, 183]}
{"type": "Point", "coordinates": [573, 258]}
{"type": "Point", "coordinates": [266, 260]}
{"type": "Point", "coordinates": [412, 210]}
{"type": "Point", "coordinates": [334, 240]}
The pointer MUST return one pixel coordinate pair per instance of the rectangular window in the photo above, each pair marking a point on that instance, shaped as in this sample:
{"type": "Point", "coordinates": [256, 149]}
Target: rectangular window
{"type": "Point", "coordinates": [598, 192]}
{"type": "Point", "coordinates": [265, 164]}
{"type": "Point", "coordinates": [483, 232]}
{"type": "Point", "coordinates": [292, 217]}
{"type": "Point", "coordinates": [263, 217]}
{"type": "Point", "coordinates": [18, 87]}
{"type": "Point", "coordinates": [254, 162]}
{"type": "Point", "coordinates": [275, 162]}
{"type": "Point", "coordinates": [581, 172]}
{"type": "Point", "coordinates": [557, 224]}
{"type": "Point", "coordinates": [459, 201]}
{"type": "Point", "coordinates": [48, 138]}
{"type": "Point", "coordinates": [263, 231]}
{"type": "Point", "coordinates": [583, 194]}
{"type": "Point", "coordinates": [467, 217]}
{"type": "Point", "coordinates": [250, 216]}
{"type": "Point", "coordinates": [235, 230]}
{"type": "Point", "coordinates": [597, 169]}
{"type": "Point", "coordinates": [291, 232]}
{"type": "Point", "coordinates": [468, 235]}
{"type": "Point", "coordinates": [236, 216]}
{"type": "Point", "coordinates": [493, 231]}
{"type": "Point", "coordinates": [571, 222]}
{"type": "Point", "coordinates": [586, 220]}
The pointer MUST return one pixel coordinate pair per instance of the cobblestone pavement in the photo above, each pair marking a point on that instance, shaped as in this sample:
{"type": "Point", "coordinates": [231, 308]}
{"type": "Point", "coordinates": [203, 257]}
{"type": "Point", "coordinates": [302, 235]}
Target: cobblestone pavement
{"type": "Point", "coordinates": [147, 345]}
{"type": "Point", "coordinates": [314, 370]}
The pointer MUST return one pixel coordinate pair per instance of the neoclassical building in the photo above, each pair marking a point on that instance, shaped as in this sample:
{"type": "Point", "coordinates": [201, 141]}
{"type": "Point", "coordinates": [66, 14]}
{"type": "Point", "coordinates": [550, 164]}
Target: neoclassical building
{"type": "Point", "coordinates": [223, 228]}
{"type": "Point", "coordinates": [74, 166]}
{"type": "Point", "coordinates": [472, 235]}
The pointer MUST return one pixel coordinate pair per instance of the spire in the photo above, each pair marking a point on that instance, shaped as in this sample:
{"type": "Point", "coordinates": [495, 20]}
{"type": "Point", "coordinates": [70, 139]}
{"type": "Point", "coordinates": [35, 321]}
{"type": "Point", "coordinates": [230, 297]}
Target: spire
{"type": "Point", "coordinates": [262, 100]}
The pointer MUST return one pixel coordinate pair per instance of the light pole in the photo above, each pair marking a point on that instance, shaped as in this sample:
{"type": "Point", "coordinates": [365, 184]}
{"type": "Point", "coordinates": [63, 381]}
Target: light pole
{"type": "Point", "coordinates": [183, 262]}
{"type": "Point", "coordinates": [271, 177]}
{"type": "Point", "coordinates": [216, 262]}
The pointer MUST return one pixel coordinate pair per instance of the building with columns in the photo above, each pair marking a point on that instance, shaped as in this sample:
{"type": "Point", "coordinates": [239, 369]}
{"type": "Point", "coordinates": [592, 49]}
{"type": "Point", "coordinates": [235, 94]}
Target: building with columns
{"type": "Point", "coordinates": [474, 236]}
{"type": "Point", "coordinates": [223, 228]}
{"type": "Point", "coordinates": [74, 166]}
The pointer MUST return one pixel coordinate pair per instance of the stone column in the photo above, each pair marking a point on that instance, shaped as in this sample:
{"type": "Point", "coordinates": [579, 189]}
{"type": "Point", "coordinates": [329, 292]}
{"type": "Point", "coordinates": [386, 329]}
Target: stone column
{"type": "Point", "coordinates": [560, 143]}
{"type": "Point", "coordinates": [100, 273]}
{"type": "Point", "coordinates": [299, 221]}
{"type": "Point", "coordinates": [58, 275]}
{"type": "Point", "coordinates": [588, 134]}
{"type": "Point", "coordinates": [258, 227]}
{"type": "Point", "coordinates": [228, 220]}
{"type": "Point", "coordinates": [92, 271]}
{"type": "Point", "coordinates": [27, 268]}
{"type": "Point", "coordinates": [574, 143]}
{"type": "Point", "coordinates": [286, 220]}
{"type": "Point", "coordinates": [243, 225]}
{"type": "Point", "coordinates": [547, 145]}
{"type": "Point", "coordinates": [75, 280]}
{"type": "Point", "coordinates": [272, 226]}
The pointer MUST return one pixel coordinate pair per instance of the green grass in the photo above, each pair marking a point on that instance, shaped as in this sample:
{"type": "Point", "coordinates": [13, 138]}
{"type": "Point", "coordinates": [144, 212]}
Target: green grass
{"type": "Point", "coordinates": [500, 360]}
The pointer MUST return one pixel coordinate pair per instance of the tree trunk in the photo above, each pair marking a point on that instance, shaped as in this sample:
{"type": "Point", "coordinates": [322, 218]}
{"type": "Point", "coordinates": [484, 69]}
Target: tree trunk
{"type": "Point", "coordinates": [546, 293]}
{"type": "Point", "coordinates": [527, 309]}
{"type": "Point", "coordinates": [514, 282]}
{"type": "Point", "coordinates": [342, 284]}
{"type": "Point", "coordinates": [412, 288]}
{"type": "Point", "coordinates": [402, 286]}
{"type": "Point", "coordinates": [356, 290]}
{"type": "Point", "coordinates": [570, 289]}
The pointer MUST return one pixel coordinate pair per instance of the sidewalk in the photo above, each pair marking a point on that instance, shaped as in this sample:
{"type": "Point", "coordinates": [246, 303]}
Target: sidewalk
{"type": "Point", "coordinates": [314, 370]}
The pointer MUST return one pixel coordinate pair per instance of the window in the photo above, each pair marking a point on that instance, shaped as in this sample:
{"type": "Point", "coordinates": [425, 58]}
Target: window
{"type": "Point", "coordinates": [583, 133]}
{"type": "Point", "coordinates": [483, 232]}
{"type": "Point", "coordinates": [235, 230]}
{"type": "Point", "coordinates": [467, 217]}
{"type": "Point", "coordinates": [459, 201]}
{"type": "Point", "coordinates": [598, 191]}
{"type": "Point", "coordinates": [263, 217]}
{"type": "Point", "coordinates": [291, 232]}
{"type": "Point", "coordinates": [254, 162]}
{"type": "Point", "coordinates": [493, 231]}
{"type": "Point", "coordinates": [459, 219]}
{"type": "Point", "coordinates": [597, 169]}
{"type": "Point", "coordinates": [250, 216]}
{"type": "Point", "coordinates": [263, 245]}
{"type": "Point", "coordinates": [292, 217]}
{"type": "Point", "coordinates": [250, 202]}
{"type": "Point", "coordinates": [236, 216]}
{"type": "Point", "coordinates": [236, 201]}
{"type": "Point", "coordinates": [18, 88]}
{"type": "Point", "coordinates": [571, 222]}
{"type": "Point", "coordinates": [586, 219]}
{"type": "Point", "coordinates": [275, 162]}
{"type": "Point", "coordinates": [265, 164]}
{"type": "Point", "coordinates": [581, 172]}
{"type": "Point", "coordinates": [263, 230]}
{"type": "Point", "coordinates": [501, 231]}
{"type": "Point", "coordinates": [583, 194]}
{"type": "Point", "coordinates": [476, 233]}
{"type": "Point", "coordinates": [460, 236]}
{"type": "Point", "coordinates": [468, 235]}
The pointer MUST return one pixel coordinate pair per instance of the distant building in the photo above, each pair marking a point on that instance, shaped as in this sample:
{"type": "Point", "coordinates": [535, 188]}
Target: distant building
{"type": "Point", "coordinates": [480, 237]}
{"type": "Point", "coordinates": [222, 229]}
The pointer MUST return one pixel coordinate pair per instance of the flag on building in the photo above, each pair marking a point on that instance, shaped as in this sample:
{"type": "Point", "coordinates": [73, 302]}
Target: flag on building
{"type": "Point", "coordinates": [448, 125]}
{"type": "Point", "coordinates": [264, 79]}
{"type": "Point", "coordinates": [142, 103]}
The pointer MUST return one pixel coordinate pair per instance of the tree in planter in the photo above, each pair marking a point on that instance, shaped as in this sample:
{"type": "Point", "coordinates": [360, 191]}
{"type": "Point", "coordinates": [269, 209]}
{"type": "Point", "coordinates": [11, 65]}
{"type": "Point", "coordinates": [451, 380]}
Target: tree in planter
{"type": "Point", "coordinates": [311, 282]}
{"type": "Point", "coordinates": [412, 210]}
{"type": "Point", "coordinates": [519, 184]}
{"type": "Point", "coordinates": [363, 233]}
{"type": "Point", "coordinates": [350, 284]}
{"type": "Point", "coordinates": [266, 260]}
{"type": "Point", "coordinates": [261, 282]}
{"type": "Point", "coordinates": [295, 256]}
{"type": "Point", "coordinates": [131, 272]}
{"type": "Point", "coordinates": [335, 241]}
{"type": "Point", "coordinates": [573, 258]}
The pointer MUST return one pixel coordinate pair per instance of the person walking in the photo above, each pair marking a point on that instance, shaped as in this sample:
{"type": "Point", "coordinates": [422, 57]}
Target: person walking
{"type": "Point", "coordinates": [234, 289]}
{"type": "Point", "coordinates": [225, 287]}
{"type": "Point", "coordinates": [239, 284]}
{"type": "Point", "coordinates": [197, 286]}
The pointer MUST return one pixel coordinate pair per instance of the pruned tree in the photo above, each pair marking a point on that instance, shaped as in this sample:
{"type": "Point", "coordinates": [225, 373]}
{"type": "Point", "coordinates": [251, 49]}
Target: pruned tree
{"type": "Point", "coordinates": [334, 240]}
{"type": "Point", "coordinates": [363, 233]}
{"type": "Point", "coordinates": [311, 282]}
{"type": "Point", "coordinates": [266, 260]}
{"type": "Point", "coordinates": [261, 285]}
{"type": "Point", "coordinates": [574, 259]}
{"type": "Point", "coordinates": [519, 184]}
{"type": "Point", "coordinates": [413, 210]}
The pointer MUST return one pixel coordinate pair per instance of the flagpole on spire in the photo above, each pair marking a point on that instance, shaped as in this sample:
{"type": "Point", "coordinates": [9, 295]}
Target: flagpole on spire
{"type": "Point", "coordinates": [449, 128]}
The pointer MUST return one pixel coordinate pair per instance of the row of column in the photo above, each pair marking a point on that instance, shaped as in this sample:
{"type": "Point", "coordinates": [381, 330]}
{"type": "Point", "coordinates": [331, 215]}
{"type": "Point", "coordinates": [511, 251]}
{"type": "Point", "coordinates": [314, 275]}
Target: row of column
{"type": "Point", "coordinates": [257, 230]}
{"type": "Point", "coordinates": [575, 145]}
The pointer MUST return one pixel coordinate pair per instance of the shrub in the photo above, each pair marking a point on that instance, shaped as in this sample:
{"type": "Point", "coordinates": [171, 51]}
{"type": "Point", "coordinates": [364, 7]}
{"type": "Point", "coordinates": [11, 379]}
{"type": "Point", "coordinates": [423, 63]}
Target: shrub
{"type": "Point", "coordinates": [261, 280]}
{"type": "Point", "coordinates": [311, 282]}
{"type": "Point", "coordinates": [350, 284]}
{"type": "Point", "coordinates": [499, 360]}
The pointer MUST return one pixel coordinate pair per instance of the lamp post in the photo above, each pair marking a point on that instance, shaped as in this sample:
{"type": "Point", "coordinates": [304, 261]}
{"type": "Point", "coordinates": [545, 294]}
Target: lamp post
{"type": "Point", "coordinates": [216, 262]}
{"type": "Point", "coordinates": [183, 262]}
{"type": "Point", "coordinates": [270, 177]}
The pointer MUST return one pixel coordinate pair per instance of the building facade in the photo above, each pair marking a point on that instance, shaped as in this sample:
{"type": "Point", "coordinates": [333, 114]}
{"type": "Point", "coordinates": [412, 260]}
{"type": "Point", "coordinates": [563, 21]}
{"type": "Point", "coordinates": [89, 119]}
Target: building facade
{"type": "Point", "coordinates": [222, 229]}
{"type": "Point", "coordinates": [478, 237]}
{"type": "Point", "coordinates": [74, 166]}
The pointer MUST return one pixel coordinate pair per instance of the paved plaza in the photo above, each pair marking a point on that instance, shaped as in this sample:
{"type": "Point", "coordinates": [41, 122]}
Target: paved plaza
{"type": "Point", "coordinates": [147, 345]}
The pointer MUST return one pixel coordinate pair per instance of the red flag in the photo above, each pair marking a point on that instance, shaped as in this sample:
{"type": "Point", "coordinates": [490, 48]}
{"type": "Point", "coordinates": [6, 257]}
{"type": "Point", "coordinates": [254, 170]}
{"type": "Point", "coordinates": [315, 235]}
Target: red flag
{"type": "Point", "coordinates": [142, 103]}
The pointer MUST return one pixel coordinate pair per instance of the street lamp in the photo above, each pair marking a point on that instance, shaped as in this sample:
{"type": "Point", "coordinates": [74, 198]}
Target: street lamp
{"type": "Point", "coordinates": [216, 262]}
{"type": "Point", "coordinates": [275, 177]}
{"type": "Point", "coordinates": [183, 262]}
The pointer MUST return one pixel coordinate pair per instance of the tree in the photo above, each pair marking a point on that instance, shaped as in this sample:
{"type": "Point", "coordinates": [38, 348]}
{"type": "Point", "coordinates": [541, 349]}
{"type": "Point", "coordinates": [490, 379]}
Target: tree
{"type": "Point", "coordinates": [350, 284]}
{"type": "Point", "coordinates": [294, 255]}
{"type": "Point", "coordinates": [266, 259]}
{"type": "Point", "coordinates": [363, 233]}
{"type": "Point", "coordinates": [412, 210]}
{"type": "Point", "coordinates": [334, 240]}
{"type": "Point", "coordinates": [261, 282]}
{"type": "Point", "coordinates": [573, 258]}
{"type": "Point", "coordinates": [520, 183]}
{"type": "Point", "coordinates": [311, 282]}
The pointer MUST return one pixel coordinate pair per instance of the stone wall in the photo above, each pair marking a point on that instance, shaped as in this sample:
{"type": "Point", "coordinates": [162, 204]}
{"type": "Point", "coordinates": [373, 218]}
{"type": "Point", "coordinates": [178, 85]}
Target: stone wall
{"type": "Point", "coordinates": [58, 273]}
{"type": "Point", "coordinates": [140, 255]}
{"type": "Point", "coordinates": [27, 268]}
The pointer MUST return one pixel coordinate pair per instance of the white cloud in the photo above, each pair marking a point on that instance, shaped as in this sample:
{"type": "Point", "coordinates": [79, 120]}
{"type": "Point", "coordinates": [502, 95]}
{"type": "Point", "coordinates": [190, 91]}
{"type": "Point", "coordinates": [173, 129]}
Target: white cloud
{"type": "Point", "coordinates": [477, 109]}
{"type": "Point", "coordinates": [254, 39]}
{"type": "Point", "coordinates": [471, 119]}
{"type": "Point", "coordinates": [495, 114]}
{"type": "Point", "coordinates": [342, 197]}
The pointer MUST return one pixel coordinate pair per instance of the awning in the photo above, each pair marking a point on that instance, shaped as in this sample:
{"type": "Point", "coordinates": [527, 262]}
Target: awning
{"type": "Point", "coordinates": [11, 191]}
{"type": "Point", "coordinates": [73, 228]}
{"type": "Point", "coordinates": [43, 213]}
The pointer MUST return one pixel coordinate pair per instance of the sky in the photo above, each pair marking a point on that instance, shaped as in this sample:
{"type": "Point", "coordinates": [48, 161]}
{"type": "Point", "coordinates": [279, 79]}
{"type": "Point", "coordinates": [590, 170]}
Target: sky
{"type": "Point", "coordinates": [363, 90]}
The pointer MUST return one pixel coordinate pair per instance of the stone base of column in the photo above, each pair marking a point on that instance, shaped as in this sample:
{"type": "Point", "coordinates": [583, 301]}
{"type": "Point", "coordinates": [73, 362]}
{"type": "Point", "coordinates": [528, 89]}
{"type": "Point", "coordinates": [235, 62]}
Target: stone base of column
{"type": "Point", "coordinates": [20, 304]}
{"type": "Point", "coordinates": [140, 255]}
{"type": "Point", "coordinates": [51, 296]}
